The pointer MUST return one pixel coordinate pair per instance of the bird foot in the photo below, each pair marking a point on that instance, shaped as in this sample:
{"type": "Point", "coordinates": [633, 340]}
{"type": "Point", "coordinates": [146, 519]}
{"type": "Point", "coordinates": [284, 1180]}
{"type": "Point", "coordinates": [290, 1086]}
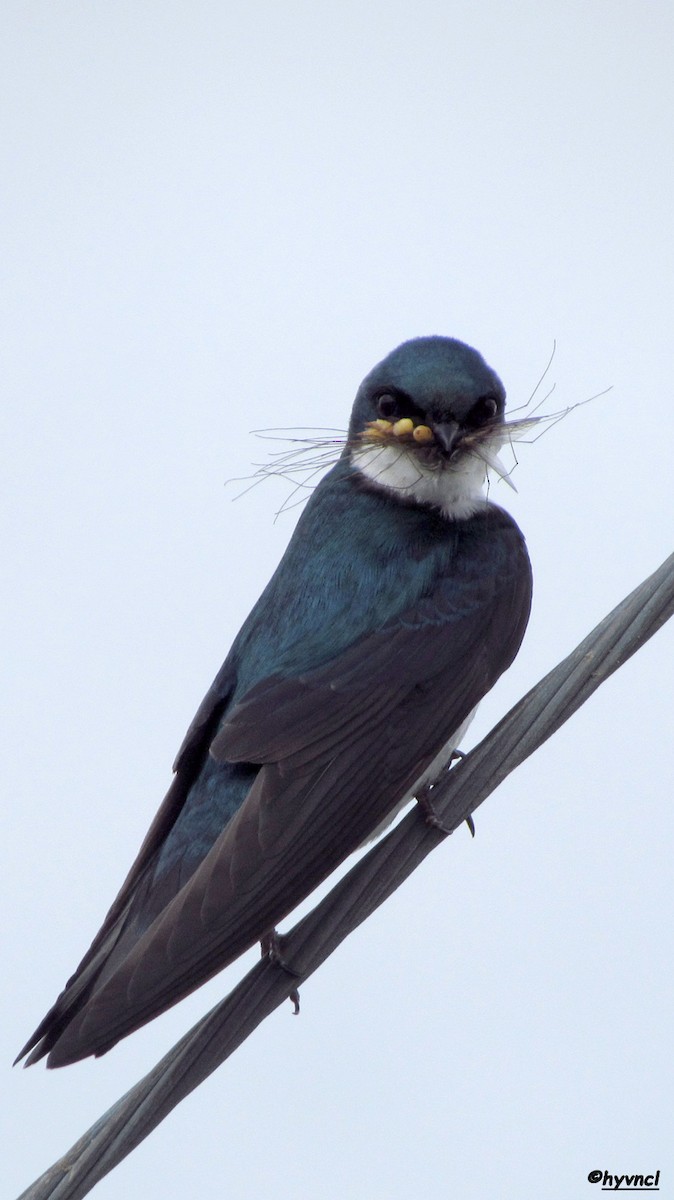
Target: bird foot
{"type": "Point", "coordinates": [270, 947]}
{"type": "Point", "coordinates": [429, 814]}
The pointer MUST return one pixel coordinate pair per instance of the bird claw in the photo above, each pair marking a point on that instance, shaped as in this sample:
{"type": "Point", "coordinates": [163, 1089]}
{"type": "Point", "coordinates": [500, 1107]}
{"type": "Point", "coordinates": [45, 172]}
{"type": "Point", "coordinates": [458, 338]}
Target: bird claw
{"type": "Point", "coordinates": [456, 756]}
{"type": "Point", "coordinates": [429, 814]}
{"type": "Point", "coordinates": [270, 947]}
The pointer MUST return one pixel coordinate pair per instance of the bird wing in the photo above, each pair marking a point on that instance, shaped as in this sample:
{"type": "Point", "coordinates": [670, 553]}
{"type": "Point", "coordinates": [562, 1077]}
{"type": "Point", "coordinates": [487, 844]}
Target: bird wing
{"type": "Point", "coordinates": [338, 748]}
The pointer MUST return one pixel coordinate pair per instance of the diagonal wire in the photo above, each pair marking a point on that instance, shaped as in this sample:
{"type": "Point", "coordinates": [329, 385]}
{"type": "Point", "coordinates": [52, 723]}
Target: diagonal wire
{"type": "Point", "coordinates": [375, 877]}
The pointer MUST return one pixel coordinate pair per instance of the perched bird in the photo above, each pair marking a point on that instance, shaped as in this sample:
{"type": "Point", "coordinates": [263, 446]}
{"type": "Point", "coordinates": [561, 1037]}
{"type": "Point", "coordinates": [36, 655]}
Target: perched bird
{"type": "Point", "coordinates": [401, 598]}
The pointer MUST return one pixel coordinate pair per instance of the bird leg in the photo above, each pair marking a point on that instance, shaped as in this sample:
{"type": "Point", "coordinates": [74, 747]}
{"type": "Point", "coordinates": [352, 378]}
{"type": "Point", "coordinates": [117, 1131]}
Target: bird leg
{"type": "Point", "coordinates": [270, 947]}
{"type": "Point", "coordinates": [425, 803]}
{"type": "Point", "coordinates": [423, 799]}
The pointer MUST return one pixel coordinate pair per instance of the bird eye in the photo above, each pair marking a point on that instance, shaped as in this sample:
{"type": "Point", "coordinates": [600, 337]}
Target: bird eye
{"type": "Point", "coordinates": [386, 405]}
{"type": "Point", "coordinates": [484, 409]}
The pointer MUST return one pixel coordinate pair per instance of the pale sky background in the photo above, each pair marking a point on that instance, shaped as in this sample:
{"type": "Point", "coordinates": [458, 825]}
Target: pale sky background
{"type": "Point", "coordinates": [217, 217]}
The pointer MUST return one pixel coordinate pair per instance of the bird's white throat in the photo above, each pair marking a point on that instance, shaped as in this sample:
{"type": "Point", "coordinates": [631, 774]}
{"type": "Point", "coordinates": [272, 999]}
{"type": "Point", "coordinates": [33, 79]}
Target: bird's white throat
{"type": "Point", "coordinates": [455, 487]}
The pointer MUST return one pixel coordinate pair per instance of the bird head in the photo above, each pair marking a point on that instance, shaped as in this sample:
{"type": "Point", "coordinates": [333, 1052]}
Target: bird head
{"type": "Point", "coordinates": [426, 423]}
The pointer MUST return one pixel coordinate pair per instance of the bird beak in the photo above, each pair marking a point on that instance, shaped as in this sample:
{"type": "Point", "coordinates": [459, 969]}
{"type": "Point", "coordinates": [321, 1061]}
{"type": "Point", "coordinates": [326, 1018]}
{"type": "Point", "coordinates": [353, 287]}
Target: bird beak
{"type": "Point", "coordinates": [447, 434]}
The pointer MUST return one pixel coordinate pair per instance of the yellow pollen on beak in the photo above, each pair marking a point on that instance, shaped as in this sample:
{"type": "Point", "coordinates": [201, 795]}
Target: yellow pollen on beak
{"type": "Point", "coordinates": [403, 427]}
{"type": "Point", "coordinates": [377, 430]}
{"type": "Point", "coordinates": [382, 430]}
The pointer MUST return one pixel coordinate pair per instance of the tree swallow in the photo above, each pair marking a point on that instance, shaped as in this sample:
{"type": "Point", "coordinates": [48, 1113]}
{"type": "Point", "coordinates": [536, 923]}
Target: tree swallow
{"type": "Point", "coordinates": [402, 597]}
